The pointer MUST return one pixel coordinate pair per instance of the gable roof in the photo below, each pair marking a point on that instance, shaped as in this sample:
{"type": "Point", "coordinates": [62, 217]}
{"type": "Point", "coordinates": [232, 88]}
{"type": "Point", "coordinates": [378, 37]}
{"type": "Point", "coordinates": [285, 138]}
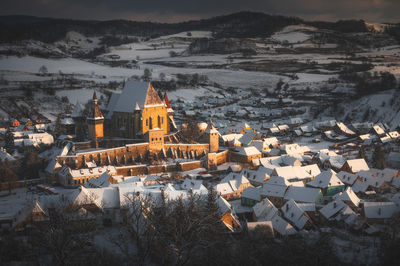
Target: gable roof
{"type": "Point", "coordinates": [326, 179]}
{"type": "Point", "coordinates": [302, 194]}
{"type": "Point", "coordinates": [134, 92]}
{"type": "Point", "coordinates": [152, 98]}
{"type": "Point", "coordinates": [357, 165]}
{"type": "Point", "coordinates": [348, 195]}
{"type": "Point", "coordinates": [346, 177]}
{"type": "Point", "coordinates": [264, 210]}
{"type": "Point", "coordinates": [380, 210]}
{"type": "Point", "coordinates": [294, 213]}
{"type": "Point", "coordinates": [332, 208]}
{"type": "Point", "coordinates": [271, 190]}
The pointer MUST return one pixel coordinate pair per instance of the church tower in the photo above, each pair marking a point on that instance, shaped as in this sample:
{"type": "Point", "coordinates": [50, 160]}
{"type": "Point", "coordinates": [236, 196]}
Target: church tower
{"type": "Point", "coordinates": [137, 117]}
{"type": "Point", "coordinates": [211, 136]}
{"type": "Point", "coordinates": [95, 121]}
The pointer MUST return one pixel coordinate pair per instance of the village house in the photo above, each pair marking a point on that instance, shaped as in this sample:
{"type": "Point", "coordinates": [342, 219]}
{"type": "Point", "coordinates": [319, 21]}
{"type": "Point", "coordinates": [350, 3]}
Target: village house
{"type": "Point", "coordinates": [228, 217]}
{"type": "Point", "coordinates": [296, 215]}
{"type": "Point", "coordinates": [304, 195]}
{"type": "Point", "coordinates": [355, 165]}
{"type": "Point", "coordinates": [297, 173]}
{"type": "Point", "coordinates": [256, 177]}
{"type": "Point", "coordinates": [232, 186]}
{"type": "Point", "coordinates": [251, 196]}
{"type": "Point", "coordinates": [378, 211]}
{"type": "Point", "coordinates": [328, 182]}
{"type": "Point", "coordinates": [73, 178]}
{"type": "Point", "coordinates": [245, 154]}
{"type": "Point", "coordinates": [332, 209]}
{"type": "Point", "coordinates": [349, 197]}
{"type": "Point", "coordinates": [275, 188]}
{"type": "Point", "coordinates": [266, 211]}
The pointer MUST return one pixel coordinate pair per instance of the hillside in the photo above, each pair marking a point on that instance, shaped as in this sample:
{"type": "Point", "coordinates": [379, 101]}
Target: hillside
{"type": "Point", "coordinates": [242, 24]}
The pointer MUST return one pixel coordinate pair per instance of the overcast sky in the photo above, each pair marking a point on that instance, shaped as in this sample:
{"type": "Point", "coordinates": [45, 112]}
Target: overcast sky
{"type": "Point", "coordinates": [180, 10]}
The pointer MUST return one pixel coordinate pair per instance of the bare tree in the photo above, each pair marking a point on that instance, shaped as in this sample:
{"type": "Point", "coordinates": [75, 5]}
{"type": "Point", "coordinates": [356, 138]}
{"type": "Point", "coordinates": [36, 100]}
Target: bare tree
{"type": "Point", "coordinates": [137, 228]}
{"type": "Point", "coordinates": [43, 70]}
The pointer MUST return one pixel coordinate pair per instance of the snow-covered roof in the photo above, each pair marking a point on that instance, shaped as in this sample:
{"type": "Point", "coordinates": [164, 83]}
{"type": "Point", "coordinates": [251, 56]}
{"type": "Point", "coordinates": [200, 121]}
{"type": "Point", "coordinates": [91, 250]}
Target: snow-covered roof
{"type": "Point", "coordinates": [247, 137]}
{"type": "Point", "coordinates": [258, 176]}
{"type": "Point", "coordinates": [134, 92]}
{"type": "Point", "coordinates": [294, 213]}
{"type": "Point", "coordinates": [348, 196]}
{"type": "Point", "coordinates": [67, 121]}
{"type": "Point", "coordinates": [4, 155]}
{"type": "Point", "coordinates": [278, 180]}
{"type": "Point", "coordinates": [195, 185]}
{"type": "Point", "coordinates": [345, 129]}
{"type": "Point", "coordinates": [252, 193]}
{"type": "Point", "coordinates": [103, 197]}
{"type": "Point", "coordinates": [332, 208]}
{"type": "Point", "coordinates": [264, 210]}
{"type": "Point", "coordinates": [87, 172]}
{"type": "Point", "coordinates": [294, 149]}
{"type": "Point", "coordinates": [101, 181]}
{"type": "Point", "coordinates": [248, 151]}
{"type": "Point", "coordinates": [346, 177]}
{"type": "Point", "coordinates": [379, 210]}
{"type": "Point", "coordinates": [378, 130]}
{"type": "Point", "coordinates": [394, 134]}
{"type": "Point", "coordinates": [282, 226]}
{"type": "Point", "coordinates": [360, 186]}
{"type": "Point", "coordinates": [302, 194]}
{"type": "Point", "coordinates": [326, 179]}
{"type": "Point", "coordinates": [271, 190]}
{"type": "Point", "coordinates": [299, 172]}
{"type": "Point", "coordinates": [357, 165]}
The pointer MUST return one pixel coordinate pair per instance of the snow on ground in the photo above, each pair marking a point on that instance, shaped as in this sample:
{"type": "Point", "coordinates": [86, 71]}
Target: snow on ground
{"type": "Point", "coordinates": [293, 34]}
{"type": "Point", "coordinates": [75, 39]}
{"type": "Point", "coordinates": [65, 65]}
{"type": "Point", "coordinates": [144, 52]}
{"type": "Point", "coordinates": [78, 95]}
{"type": "Point", "coordinates": [193, 34]}
{"type": "Point", "coordinates": [225, 77]}
{"type": "Point", "coordinates": [291, 37]}
{"type": "Point", "coordinates": [189, 95]}
{"type": "Point", "coordinates": [312, 78]}
{"type": "Point", "coordinates": [380, 107]}
{"type": "Point", "coordinates": [314, 147]}
{"type": "Point", "coordinates": [3, 114]}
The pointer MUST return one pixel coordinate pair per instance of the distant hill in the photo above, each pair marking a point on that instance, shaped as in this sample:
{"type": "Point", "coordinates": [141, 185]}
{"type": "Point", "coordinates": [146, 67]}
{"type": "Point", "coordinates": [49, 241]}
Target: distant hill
{"type": "Point", "coordinates": [242, 24]}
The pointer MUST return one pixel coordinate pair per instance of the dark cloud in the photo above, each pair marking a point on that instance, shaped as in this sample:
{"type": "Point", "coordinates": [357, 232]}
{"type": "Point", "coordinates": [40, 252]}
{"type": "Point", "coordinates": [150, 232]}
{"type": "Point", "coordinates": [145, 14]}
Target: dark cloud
{"type": "Point", "coordinates": [177, 10]}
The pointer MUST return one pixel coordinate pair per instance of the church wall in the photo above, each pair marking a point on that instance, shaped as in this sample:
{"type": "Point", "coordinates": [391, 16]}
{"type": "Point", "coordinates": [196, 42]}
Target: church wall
{"type": "Point", "coordinates": [200, 148]}
{"type": "Point", "coordinates": [150, 119]}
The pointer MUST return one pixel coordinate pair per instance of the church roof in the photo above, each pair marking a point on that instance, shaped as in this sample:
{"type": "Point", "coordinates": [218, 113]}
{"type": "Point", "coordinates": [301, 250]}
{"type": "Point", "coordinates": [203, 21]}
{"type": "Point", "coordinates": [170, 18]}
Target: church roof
{"type": "Point", "coordinates": [134, 94]}
{"type": "Point", "coordinates": [166, 100]}
{"type": "Point", "coordinates": [152, 98]}
{"type": "Point", "coordinates": [78, 110]}
{"type": "Point", "coordinates": [210, 128]}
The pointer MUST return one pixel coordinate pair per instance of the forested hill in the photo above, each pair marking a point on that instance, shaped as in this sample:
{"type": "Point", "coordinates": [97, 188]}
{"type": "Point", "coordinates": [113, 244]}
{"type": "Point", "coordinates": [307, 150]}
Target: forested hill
{"type": "Point", "coordinates": [242, 24]}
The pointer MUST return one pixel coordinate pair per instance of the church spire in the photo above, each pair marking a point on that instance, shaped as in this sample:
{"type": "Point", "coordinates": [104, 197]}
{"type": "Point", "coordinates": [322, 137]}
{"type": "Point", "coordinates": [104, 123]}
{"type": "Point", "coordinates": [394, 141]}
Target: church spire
{"type": "Point", "coordinates": [166, 100]}
{"type": "Point", "coordinates": [95, 112]}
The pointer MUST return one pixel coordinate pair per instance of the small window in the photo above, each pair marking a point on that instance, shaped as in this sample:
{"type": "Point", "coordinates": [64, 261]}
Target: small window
{"type": "Point", "coordinates": [147, 122]}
